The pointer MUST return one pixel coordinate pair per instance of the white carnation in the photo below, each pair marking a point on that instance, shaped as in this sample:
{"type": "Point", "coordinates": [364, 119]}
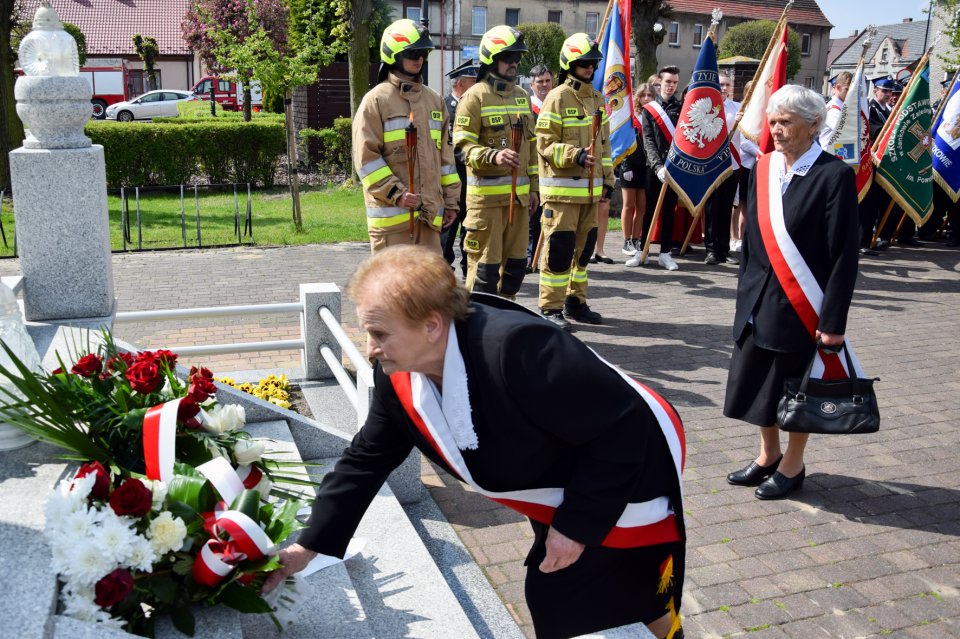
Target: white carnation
{"type": "Point", "coordinates": [141, 556]}
{"type": "Point", "coordinates": [87, 564]}
{"type": "Point", "coordinates": [166, 533]}
{"type": "Point", "coordinates": [247, 451]}
{"type": "Point", "coordinates": [225, 418]}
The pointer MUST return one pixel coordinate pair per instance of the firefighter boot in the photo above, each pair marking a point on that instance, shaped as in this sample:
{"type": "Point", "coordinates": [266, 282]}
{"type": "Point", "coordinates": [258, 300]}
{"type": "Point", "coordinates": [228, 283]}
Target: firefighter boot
{"type": "Point", "coordinates": [574, 309]}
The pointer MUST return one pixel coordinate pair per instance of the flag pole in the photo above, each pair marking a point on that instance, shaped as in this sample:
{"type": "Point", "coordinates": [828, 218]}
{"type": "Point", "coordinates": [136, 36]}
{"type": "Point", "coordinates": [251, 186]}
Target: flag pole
{"type": "Point", "coordinates": [896, 109]}
{"type": "Point", "coordinates": [883, 220]}
{"type": "Point", "coordinates": [716, 16]}
{"type": "Point", "coordinates": [781, 23]}
{"type": "Point", "coordinates": [606, 18]}
{"type": "Point", "coordinates": [653, 222]}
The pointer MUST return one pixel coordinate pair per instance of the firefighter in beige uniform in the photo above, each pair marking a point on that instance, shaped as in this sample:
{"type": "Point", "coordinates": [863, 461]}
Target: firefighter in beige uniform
{"type": "Point", "coordinates": [379, 147]}
{"type": "Point", "coordinates": [569, 213]}
{"type": "Point", "coordinates": [496, 247]}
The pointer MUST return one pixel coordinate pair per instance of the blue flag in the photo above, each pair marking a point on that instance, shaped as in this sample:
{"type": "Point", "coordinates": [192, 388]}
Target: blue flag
{"type": "Point", "coordinates": [699, 158]}
{"type": "Point", "coordinates": [946, 144]}
{"type": "Point", "coordinates": [612, 79]}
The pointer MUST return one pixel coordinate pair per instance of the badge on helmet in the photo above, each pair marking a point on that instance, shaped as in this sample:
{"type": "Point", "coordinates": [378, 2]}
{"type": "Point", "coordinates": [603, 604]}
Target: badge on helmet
{"type": "Point", "coordinates": [402, 36]}
{"type": "Point", "coordinates": [500, 39]}
{"type": "Point", "coordinates": [579, 48]}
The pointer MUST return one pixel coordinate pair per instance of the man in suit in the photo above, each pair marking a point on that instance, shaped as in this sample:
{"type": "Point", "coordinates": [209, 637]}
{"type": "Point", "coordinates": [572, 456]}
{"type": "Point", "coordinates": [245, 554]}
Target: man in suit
{"type": "Point", "coordinates": [461, 78]}
{"type": "Point", "coordinates": [875, 203]}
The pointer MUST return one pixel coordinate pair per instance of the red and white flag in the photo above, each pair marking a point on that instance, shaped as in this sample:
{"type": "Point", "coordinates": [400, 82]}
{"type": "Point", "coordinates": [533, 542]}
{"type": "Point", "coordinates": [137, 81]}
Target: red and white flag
{"type": "Point", "coordinates": [768, 79]}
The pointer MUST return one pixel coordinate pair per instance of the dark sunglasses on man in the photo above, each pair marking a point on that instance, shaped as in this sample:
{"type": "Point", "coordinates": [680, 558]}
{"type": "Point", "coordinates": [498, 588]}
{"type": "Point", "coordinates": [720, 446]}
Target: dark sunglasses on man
{"type": "Point", "coordinates": [510, 57]}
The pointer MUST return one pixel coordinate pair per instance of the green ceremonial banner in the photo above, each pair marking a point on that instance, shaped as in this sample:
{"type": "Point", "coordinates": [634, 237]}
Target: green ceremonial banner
{"type": "Point", "coordinates": [903, 153]}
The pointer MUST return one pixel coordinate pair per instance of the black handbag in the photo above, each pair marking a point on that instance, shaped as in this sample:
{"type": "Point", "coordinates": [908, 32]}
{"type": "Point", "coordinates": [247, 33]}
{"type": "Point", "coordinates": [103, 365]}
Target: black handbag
{"type": "Point", "coordinates": [829, 407]}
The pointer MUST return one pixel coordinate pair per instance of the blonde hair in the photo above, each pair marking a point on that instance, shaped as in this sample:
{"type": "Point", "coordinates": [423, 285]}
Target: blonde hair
{"type": "Point", "coordinates": [640, 90]}
{"type": "Point", "coordinates": [411, 281]}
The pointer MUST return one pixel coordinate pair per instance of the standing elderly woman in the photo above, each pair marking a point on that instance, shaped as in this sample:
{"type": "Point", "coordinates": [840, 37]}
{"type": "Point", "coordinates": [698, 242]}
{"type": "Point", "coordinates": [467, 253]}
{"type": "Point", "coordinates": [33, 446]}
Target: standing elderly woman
{"type": "Point", "coordinates": [496, 396]}
{"type": "Point", "coordinates": [797, 275]}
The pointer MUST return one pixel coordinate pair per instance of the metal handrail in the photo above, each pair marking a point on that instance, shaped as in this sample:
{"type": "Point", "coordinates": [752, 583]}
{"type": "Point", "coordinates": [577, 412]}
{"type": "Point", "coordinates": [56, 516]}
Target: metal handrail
{"type": "Point", "coordinates": [359, 361]}
{"type": "Point", "coordinates": [241, 347]}
{"type": "Point", "coordinates": [343, 378]}
{"type": "Point", "coordinates": [209, 311]}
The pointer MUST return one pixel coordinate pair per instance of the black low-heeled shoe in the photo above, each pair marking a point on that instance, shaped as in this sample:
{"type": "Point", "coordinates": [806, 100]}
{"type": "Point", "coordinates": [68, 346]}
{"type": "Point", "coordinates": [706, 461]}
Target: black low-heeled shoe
{"type": "Point", "coordinates": [779, 485]}
{"type": "Point", "coordinates": [753, 474]}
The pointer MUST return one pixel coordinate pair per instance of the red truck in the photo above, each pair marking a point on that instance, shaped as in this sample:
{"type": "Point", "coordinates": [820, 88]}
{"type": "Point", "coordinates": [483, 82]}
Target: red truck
{"type": "Point", "coordinates": [229, 93]}
{"type": "Point", "coordinates": [109, 84]}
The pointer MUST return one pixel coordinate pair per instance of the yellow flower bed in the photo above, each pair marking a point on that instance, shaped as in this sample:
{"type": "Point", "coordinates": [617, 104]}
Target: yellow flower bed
{"type": "Point", "coordinates": [272, 389]}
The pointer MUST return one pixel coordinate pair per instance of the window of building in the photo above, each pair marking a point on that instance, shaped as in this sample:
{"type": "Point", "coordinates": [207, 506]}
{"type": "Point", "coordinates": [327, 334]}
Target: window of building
{"type": "Point", "coordinates": [555, 16]}
{"type": "Point", "coordinates": [697, 35]}
{"type": "Point", "coordinates": [412, 13]}
{"type": "Point", "coordinates": [512, 17]}
{"type": "Point", "coordinates": [592, 25]}
{"type": "Point", "coordinates": [883, 55]}
{"type": "Point", "coordinates": [805, 44]}
{"type": "Point", "coordinates": [673, 39]}
{"type": "Point", "coordinates": [479, 21]}
{"type": "Point", "coordinates": [808, 82]}
{"type": "Point", "coordinates": [139, 84]}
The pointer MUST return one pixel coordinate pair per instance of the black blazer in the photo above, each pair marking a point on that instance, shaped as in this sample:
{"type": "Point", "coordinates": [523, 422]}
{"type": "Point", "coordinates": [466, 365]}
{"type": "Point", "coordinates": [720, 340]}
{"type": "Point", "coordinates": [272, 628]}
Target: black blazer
{"type": "Point", "coordinates": [655, 144]}
{"type": "Point", "coordinates": [820, 211]}
{"type": "Point", "coordinates": [878, 115]}
{"type": "Point", "coordinates": [547, 413]}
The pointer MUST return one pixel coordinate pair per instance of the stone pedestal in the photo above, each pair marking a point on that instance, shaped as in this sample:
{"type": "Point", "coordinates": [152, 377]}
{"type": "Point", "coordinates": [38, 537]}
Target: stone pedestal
{"type": "Point", "coordinates": [63, 233]}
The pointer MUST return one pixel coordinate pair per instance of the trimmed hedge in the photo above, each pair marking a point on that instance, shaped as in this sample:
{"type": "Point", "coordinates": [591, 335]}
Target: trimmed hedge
{"type": "Point", "coordinates": [332, 145]}
{"type": "Point", "coordinates": [139, 154]}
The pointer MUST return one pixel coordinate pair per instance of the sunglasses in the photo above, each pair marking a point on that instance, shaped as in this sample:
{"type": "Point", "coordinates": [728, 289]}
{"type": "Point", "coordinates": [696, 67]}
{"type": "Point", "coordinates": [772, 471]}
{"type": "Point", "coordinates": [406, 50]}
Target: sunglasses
{"type": "Point", "coordinates": [511, 57]}
{"type": "Point", "coordinates": [416, 54]}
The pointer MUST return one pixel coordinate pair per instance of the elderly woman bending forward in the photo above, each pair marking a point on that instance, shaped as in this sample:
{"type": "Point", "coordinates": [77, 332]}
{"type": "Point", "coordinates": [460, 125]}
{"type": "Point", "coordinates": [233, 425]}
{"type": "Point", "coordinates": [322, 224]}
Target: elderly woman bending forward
{"type": "Point", "coordinates": [498, 397]}
{"type": "Point", "coordinates": [797, 275]}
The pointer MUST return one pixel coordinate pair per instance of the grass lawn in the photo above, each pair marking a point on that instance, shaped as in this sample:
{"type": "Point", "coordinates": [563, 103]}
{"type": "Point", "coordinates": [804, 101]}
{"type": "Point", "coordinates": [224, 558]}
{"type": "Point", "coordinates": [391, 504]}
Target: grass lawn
{"type": "Point", "coordinates": [330, 214]}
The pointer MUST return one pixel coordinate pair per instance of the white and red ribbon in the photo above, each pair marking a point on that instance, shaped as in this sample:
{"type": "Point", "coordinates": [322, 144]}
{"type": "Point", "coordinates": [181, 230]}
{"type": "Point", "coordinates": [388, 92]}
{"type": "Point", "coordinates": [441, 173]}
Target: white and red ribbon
{"type": "Point", "coordinates": [661, 118]}
{"type": "Point", "coordinates": [159, 440]}
{"type": "Point", "coordinates": [641, 523]}
{"type": "Point", "coordinates": [793, 273]}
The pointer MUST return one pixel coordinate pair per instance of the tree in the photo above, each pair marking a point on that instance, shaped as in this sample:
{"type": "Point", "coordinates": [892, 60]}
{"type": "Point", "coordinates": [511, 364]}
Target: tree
{"type": "Point", "coordinates": [214, 28]}
{"type": "Point", "coordinates": [11, 128]}
{"type": "Point", "coordinates": [751, 39]}
{"type": "Point", "coordinates": [646, 15]}
{"type": "Point", "coordinates": [148, 51]}
{"type": "Point", "coordinates": [948, 11]}
{"type": "Point", "coordinates": [544, 39]}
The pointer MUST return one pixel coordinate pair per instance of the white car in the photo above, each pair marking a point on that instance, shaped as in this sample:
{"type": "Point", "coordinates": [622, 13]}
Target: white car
{"type": "Point", "coordinates": [151, 104]}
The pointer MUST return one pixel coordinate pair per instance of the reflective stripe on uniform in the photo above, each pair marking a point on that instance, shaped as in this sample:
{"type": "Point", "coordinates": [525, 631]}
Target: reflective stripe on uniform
{"type": "Point", "coordinates": [383, 217]}
{"type": "Point", "coordinates": [575, 122]}
{"type": "Point", "coordinates": [561, 280]}
{"type": "Point", "coordinates": [571, 187]}
{"type": "Point", "coordinates": [373, 172]}
{"type": "Point", "coordinates": [393, 129]}
{"type": "Point", "coordinates": [607, 162]}
{"type": "Point", "coordinates": [496, 185]}
{"type": "Point", "coordinates": [551, 117]}
{"type": "Point", "coordinates": [448, 175]}
{"type": "Point", "coordinates": [579, 275]}
{"type": "Point", "coordinates": [487, 111]}
{"type": "Point", "coordinates": [465, 135]}
{"type": "Point", "coordinates": [532, 169]}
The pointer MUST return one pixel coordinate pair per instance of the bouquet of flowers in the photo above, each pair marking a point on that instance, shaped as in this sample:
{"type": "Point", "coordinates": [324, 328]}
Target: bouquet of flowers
{"type": "Point", "coordinates": [176, 505]}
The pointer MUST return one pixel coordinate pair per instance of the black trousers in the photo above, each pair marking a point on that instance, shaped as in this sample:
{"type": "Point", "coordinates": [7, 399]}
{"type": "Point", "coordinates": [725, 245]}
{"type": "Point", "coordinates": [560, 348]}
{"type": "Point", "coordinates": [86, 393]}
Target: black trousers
{"type": "Point", "coordinates": [666, 211]}
{"type": "Point", "coordinates": [449, 235]}
{"type": "Point", "coordinates": [717, 214]}
{"type": "Point", "coordinates": [534, 234]}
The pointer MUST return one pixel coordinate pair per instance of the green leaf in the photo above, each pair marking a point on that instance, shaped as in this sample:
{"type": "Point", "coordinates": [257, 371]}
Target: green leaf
{"type": "Point", "coordinates": [183, 565]}
{"type": "Point", "coordinates": [183, 620]}
{"type": "Point", "coordinates": [190, 491]}
{"type": "Point", "coordinates": [164, 588]}
{"type": "Point", "coordinates": [248, 502]}
{"type": "Point", "coordinates": [243, 599]}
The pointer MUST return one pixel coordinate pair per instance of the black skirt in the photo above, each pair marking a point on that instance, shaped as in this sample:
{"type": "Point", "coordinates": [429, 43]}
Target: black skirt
{"type": "Point", "coordinates": [605, 588]}
{"type": "Point", "coordinates": [755, 379]}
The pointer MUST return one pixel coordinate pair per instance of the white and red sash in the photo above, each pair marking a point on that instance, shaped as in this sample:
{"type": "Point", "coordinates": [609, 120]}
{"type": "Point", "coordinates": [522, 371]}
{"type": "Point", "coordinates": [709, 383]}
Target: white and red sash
{"type": "Point", "coordinates": [661, 118]}
{"type": "Point", "coordinates": [641, 524]}
{"type": "Point", "coordinates": [795, 277]}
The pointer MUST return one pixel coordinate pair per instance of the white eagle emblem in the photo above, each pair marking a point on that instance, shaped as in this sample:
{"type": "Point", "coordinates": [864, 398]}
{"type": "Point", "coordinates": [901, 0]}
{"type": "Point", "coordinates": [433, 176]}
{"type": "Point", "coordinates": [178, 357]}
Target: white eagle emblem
{"type": "Point", "coordinates": [703, 122]}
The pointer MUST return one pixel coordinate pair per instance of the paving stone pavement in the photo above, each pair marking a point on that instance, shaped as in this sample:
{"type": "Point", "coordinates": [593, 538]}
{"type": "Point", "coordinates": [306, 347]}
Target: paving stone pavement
{"type": "Point", "coordinates": [870, 547]}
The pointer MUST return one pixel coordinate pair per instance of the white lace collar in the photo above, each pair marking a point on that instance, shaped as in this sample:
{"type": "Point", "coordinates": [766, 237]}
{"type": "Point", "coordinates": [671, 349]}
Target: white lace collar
{"type": "Point", "coordinates": [455, 400]}
{"type": "Point", "coordinates": [801, 167]}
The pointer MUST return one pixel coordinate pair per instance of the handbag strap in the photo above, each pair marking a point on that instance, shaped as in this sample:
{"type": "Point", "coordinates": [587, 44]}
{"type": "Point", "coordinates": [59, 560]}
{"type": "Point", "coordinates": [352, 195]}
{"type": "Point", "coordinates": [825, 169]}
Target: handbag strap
{"type": "Point", "coordinates": [851, 372]}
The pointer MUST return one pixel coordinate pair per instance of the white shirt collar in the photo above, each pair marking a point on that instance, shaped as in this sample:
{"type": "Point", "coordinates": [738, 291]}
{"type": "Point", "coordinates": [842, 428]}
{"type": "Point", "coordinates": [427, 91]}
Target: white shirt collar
{"type": "Point", "coordinates": [801, 167]}
{"type": "Point", "coordinates": [455, 401]}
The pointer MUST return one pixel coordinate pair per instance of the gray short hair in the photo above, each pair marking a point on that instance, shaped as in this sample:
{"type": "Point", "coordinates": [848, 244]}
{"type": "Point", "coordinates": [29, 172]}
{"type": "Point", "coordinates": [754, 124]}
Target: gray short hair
{"type": "Point", "coordinates": [539, 70]}
{"type": "Point", "coordinates": [795, 99]}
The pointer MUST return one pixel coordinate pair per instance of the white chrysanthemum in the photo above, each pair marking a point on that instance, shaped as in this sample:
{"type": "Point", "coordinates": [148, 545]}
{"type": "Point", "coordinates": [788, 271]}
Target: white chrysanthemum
{"type": "Point", "coordinates": [141, 556]}
{"type": "Point", "coordinates": [159, 491]}
{"type": "Point", "coordinates": [83, 485]}
{"type": "Point", "coordinates": [62, 502]}
{"type": "Point", "coordinates": [114, 537]}
{"type": "Point", "coordinates": [78, 524]}
{"type": "Point", "coordinates": [87, 564]}
{"type": "Point", "coordinates": [103, 618]}
{"type": "Point", "coordinates": [166, 533]}
{"type": "Point", "coordinates": [78, 603]}
{"type": "Point", "coordinates": [225, 418]}
{"type": "Point", "coordinates": [60, 556]}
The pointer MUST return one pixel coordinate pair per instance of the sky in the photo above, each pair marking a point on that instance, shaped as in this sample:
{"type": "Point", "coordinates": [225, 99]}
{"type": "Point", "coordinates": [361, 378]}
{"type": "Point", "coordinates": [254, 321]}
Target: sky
{"type": "Point", "coordinates": [847, 15]}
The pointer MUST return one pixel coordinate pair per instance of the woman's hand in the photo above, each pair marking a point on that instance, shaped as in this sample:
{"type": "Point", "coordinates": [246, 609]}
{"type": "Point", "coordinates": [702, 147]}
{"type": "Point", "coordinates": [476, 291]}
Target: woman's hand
{"type": "Point", "coordinates": [830, 339]}
{"type": "Point", "coordinates": [561, 551]}
{"type": "Point", "coordinates": [294, 559]}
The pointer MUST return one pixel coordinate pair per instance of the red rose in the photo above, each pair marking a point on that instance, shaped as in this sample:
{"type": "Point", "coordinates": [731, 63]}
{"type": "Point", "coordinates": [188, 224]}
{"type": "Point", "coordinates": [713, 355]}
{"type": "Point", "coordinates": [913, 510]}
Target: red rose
{"type": "Point", "coordinates": [144, 375]}
{"type": "Point", "coordinates": [101, 487]}
{"type": "Point", "coordinates": [164, 356]}
{"type": "Point", "coordinates": [205, 373]}
{"type": "Point", "coordinates": [132, 498]}
{"type": "Point", "coordinates": [201, 388]}
{"type": "Point", "coordinates": [120, 361]}
{"type": "Point", "coordinates": [187, 412]}
{"type": "Point", "coordinates": [88, 366]}
{"type": "Point", "coordinates": [113, 588]}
